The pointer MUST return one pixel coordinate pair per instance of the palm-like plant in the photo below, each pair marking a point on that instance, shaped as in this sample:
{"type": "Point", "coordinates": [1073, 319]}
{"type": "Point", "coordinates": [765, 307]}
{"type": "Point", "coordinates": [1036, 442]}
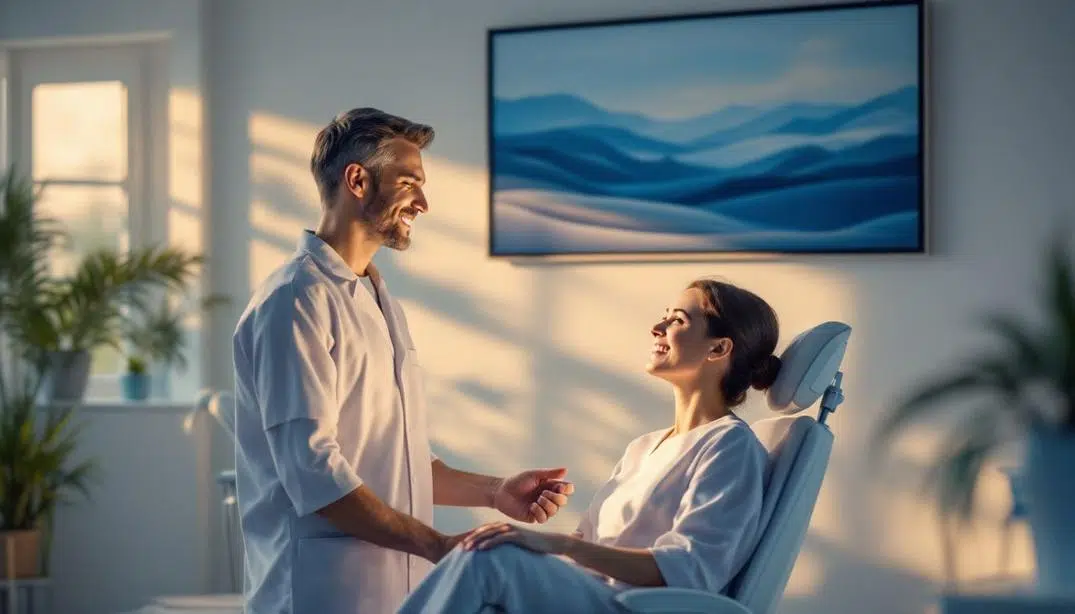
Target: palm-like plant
{"type": "Point", "coordinates": [88, 308]}
{"type": "Point", "coordinates": [25, 243]}
{"type": "Point", "coordinates": [1025, 384]}
{"type": "Point", "coordinates": [53, 319]}
{"type": "Point", "coordinates": [37, 467]}
{"type": "Point", "coordinates": [158, 335]}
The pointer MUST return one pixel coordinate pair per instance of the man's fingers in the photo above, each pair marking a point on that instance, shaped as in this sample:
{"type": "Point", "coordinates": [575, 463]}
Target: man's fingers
{"type": "Point", "coordinates": [561, 486]}
{"type": "Point", "coordinates": [496, 540]}
{"type": "Point", "coordinates": [479, 533]}
{"type": "Point", "coordinates": [553, 474]}
{"type": "Point", "coordinates": [495, 535]}
{"type": "Point", "coordinates": [538, 513]}
{"type": "Point", "coordinates": [547, 505]}
{"type": "Point", "coordinates": [484, 533]}
{"type": "Point", "coordinates": [558, 499]}
{"type": "Point", "coordinates": [489, 528]}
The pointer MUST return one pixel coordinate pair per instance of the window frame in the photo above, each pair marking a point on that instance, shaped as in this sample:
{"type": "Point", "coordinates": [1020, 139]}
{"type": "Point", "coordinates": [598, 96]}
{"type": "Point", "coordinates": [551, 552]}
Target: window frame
{"type": "Point", "coordinates": [148, 149]}
{"type": "Point", "coordinates": [5, 134]}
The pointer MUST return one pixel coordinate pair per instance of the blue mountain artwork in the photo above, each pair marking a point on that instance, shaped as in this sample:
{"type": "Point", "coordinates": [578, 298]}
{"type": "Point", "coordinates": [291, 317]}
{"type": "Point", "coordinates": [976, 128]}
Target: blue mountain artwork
{"type": "Point", "coordinates": [572, 177]}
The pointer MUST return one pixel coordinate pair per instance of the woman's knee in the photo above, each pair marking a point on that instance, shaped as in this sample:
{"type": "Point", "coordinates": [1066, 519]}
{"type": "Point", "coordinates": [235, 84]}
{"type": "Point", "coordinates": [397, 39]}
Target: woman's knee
{"type": "Point", "coordinates": [508, 558]}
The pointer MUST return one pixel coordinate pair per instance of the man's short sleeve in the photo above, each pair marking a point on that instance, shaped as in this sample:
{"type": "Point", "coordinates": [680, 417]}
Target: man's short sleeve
{"type": "Point", "coordinates": [308, 461]}
{"type": "Point", "coordinates": [294, 375]}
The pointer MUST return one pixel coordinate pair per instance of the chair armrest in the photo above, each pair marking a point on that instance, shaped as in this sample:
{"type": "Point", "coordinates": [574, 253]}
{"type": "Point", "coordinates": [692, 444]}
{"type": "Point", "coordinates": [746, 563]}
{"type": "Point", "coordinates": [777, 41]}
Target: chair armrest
{"type": "Point", "coordinates": [678, 601]}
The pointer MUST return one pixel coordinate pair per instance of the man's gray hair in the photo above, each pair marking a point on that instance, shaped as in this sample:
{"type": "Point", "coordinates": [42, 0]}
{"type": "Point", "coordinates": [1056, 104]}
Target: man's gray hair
{"type": "Point", "coordinates": [360, 136]}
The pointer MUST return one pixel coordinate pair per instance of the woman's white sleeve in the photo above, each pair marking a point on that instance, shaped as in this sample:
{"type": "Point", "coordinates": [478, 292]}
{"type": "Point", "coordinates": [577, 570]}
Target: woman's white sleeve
{"type": "Point", "coordinates": [717, 520]}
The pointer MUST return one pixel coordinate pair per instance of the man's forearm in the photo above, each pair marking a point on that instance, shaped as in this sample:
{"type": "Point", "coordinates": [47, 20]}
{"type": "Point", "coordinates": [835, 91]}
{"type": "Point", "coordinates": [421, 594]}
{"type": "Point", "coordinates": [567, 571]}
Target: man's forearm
{"type": "Point", "coordinates": [635, 566]}
{"type": "Point", "coordinates": [459, 488]}
{"type": "Point", "coordinates": [361, 514]}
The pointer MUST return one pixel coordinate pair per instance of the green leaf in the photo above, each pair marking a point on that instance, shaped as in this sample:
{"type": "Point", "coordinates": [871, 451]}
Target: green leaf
{"type": "Point", "coordinates": [1060, 304]}
{"type": "Point", "coordinates": [1009, 385]}
{"type": "Point", "coordinates": [1027, 349]}
{"type": "Point", "coordinates": [40, 313]}
{"type": "Point", "coordinates": [954, 477]}
{"type": "Point", "coordinates": [926, 401]}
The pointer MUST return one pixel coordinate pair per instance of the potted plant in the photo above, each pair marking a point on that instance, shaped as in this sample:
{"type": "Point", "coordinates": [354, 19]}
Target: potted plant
{"type": "Point", "coordinates": [135, 381]}
{"type": "Point", "coordinates": [67, 317]}
{"type": "Point", "coordinates": [87, 310]}
{"type": "Point", "coordinates": [25, 243]}
{"type": "Point", "coordinates": [37, 466]}
{"type": "Point", "coordinates": [38, 472]}
{"type": "Point", "coordinates": [157, 337]}
{"type": "Point", "coordinates": [1022, 390]}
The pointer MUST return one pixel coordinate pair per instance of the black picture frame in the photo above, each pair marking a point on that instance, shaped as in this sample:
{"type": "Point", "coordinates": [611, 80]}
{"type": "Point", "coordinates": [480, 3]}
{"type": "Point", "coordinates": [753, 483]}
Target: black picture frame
{"type": "Point", "coordinates": [499, 247]}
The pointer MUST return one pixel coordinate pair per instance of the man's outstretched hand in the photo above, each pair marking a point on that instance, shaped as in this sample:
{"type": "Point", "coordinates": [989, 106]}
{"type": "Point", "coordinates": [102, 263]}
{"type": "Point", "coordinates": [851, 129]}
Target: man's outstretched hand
{"type": "Point", "coordinates": [533, 496]}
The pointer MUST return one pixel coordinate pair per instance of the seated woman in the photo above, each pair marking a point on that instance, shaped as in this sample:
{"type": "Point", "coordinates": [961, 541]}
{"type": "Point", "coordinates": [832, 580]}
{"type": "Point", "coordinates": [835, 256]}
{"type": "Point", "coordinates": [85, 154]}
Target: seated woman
{"type": "Point", "coordinates": [682, 506]}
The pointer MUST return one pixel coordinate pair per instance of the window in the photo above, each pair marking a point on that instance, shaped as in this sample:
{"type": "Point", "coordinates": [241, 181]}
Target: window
{"type": "Point", "coordinates": [4, 138]}
{"type": "Point", "coordinates": [78, 137]}
{"type": "Point", "coordinates": [79, 123]}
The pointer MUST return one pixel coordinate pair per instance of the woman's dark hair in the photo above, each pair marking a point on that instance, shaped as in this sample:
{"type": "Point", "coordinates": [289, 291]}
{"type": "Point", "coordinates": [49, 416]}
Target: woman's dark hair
{"type": "Point", "coordinates": [751, 324]}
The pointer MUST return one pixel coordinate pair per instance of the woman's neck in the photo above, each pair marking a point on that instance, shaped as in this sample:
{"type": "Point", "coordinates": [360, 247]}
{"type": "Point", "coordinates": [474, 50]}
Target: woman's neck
{"type": "Point", "coordinates": [697, 405]}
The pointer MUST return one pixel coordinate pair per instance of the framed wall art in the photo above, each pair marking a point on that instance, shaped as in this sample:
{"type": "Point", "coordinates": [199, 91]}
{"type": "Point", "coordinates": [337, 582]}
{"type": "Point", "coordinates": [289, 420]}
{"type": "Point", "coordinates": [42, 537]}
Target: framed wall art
{"type": "Point", "coordinates": [791, 130]}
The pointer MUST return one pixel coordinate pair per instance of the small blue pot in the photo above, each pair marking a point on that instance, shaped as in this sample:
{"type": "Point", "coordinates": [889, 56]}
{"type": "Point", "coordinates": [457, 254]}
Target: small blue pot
{"type": "Point", "coordinates": [135, 386]}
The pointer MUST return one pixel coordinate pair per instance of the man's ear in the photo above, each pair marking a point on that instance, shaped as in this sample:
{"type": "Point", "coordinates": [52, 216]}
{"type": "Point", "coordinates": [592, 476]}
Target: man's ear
{"type": "Point", "coordinates": [720, 349]}
{"type": "Point", "coordinates": [357, 180]}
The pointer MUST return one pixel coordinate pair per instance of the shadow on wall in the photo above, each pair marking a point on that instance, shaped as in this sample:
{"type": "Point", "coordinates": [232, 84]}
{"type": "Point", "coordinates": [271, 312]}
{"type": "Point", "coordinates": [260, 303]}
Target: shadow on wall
{"type": "Point", "coordinates": [902, 591]}
{"type": "Point", "coordinates": [541, 366]}
{"type": "Point", "coordinates": [488, 349]}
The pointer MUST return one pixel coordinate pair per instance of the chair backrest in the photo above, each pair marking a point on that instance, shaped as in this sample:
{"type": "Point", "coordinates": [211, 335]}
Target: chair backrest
{"type": "Point", "coordinates": [799, 448]}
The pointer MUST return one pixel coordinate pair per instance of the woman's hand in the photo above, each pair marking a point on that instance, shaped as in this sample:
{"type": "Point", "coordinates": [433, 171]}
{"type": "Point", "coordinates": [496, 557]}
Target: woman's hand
{"type": "Point", "coordinates": [631, 565]}
{"type": "Point", "coordinates": [497, 533]}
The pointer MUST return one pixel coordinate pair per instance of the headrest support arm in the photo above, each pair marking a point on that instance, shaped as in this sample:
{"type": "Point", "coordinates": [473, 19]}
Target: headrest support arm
{"type": "Point", "coordinates": [834, 395]}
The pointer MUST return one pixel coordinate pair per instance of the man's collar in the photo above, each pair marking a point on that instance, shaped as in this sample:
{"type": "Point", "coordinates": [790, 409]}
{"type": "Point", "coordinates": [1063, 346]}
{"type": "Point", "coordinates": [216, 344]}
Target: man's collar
{"type": "Point", "coordinates": [326, 256]}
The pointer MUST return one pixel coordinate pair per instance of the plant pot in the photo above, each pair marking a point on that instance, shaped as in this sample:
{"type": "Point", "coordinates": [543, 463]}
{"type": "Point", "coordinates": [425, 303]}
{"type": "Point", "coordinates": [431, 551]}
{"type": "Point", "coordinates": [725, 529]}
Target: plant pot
{"type": "Point", "coordinates": [135, 386]}
{"type": "Point", "coordinates": [27, 551]}
{"type": "Point", "coordinates": [1050, 506]}
{"type": "Point", "coordinates": [69, 373]}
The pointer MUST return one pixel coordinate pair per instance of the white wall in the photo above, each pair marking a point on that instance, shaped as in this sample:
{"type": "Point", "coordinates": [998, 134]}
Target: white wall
{"type": "Point", "coordinates": [140, 534]}
{"type": "Point", "coordinates": [554, 353]}
{"type": "Point", "coordinates": [152, 526]}
{"type": "Point", "coordinates": [553, 372]}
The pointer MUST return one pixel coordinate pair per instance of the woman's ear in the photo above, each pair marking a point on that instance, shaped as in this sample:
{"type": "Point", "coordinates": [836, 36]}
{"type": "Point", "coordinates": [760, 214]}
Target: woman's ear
{"type": "Point", "coordinates": [721, 349]}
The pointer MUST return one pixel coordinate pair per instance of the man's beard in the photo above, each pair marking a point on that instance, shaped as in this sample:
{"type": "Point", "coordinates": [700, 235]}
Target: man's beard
{"type": "Point", "coordinates": [384, 222]}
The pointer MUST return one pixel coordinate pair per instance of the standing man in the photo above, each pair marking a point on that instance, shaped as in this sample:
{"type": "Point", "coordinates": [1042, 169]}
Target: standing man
{"type": "Point", "coordinates": [336, 479]}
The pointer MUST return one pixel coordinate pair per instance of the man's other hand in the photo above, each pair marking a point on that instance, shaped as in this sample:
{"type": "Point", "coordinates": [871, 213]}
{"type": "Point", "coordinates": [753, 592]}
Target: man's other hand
{"type": "Point", "coordinates": [533, 496]}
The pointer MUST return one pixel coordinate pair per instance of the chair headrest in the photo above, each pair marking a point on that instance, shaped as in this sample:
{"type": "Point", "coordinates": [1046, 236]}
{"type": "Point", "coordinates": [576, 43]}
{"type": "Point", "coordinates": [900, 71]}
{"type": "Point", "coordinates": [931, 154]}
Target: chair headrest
{"type": "Point", "coordinates": [808, 366]}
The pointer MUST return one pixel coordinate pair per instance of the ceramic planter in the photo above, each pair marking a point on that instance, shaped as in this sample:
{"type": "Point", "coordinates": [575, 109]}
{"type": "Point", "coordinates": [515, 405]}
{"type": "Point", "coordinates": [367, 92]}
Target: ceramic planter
{"type": "Point", "coordinates": [1050, 507]}
{"type": "Point", "coordinates": [27, 550]}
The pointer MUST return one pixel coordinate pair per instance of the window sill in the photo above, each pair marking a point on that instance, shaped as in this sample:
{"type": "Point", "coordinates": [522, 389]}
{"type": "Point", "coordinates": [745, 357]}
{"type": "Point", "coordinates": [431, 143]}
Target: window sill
{"type": "Point", "coordinates": [104, 405]}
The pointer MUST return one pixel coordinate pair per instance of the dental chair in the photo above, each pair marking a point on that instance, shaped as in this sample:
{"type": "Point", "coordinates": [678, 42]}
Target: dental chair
{"type": "Point", "coordinates": [799, 448]}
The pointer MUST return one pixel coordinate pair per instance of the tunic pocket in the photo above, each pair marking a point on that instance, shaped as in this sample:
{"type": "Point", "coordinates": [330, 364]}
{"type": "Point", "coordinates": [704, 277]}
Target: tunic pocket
{"type": "Point", "coordinates": [343, 575]}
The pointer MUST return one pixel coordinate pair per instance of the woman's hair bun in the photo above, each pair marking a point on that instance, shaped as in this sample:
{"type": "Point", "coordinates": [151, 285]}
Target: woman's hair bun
{"type": "Point", "coordinates": [764, 374]}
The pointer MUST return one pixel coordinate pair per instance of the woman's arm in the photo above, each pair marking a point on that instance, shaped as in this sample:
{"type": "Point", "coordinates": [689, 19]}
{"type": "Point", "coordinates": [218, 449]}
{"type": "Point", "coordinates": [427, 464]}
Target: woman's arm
{"type": "Point", "coordinates": [631, 565]}
{"type": "Point", "coordinates": [635, 566]}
